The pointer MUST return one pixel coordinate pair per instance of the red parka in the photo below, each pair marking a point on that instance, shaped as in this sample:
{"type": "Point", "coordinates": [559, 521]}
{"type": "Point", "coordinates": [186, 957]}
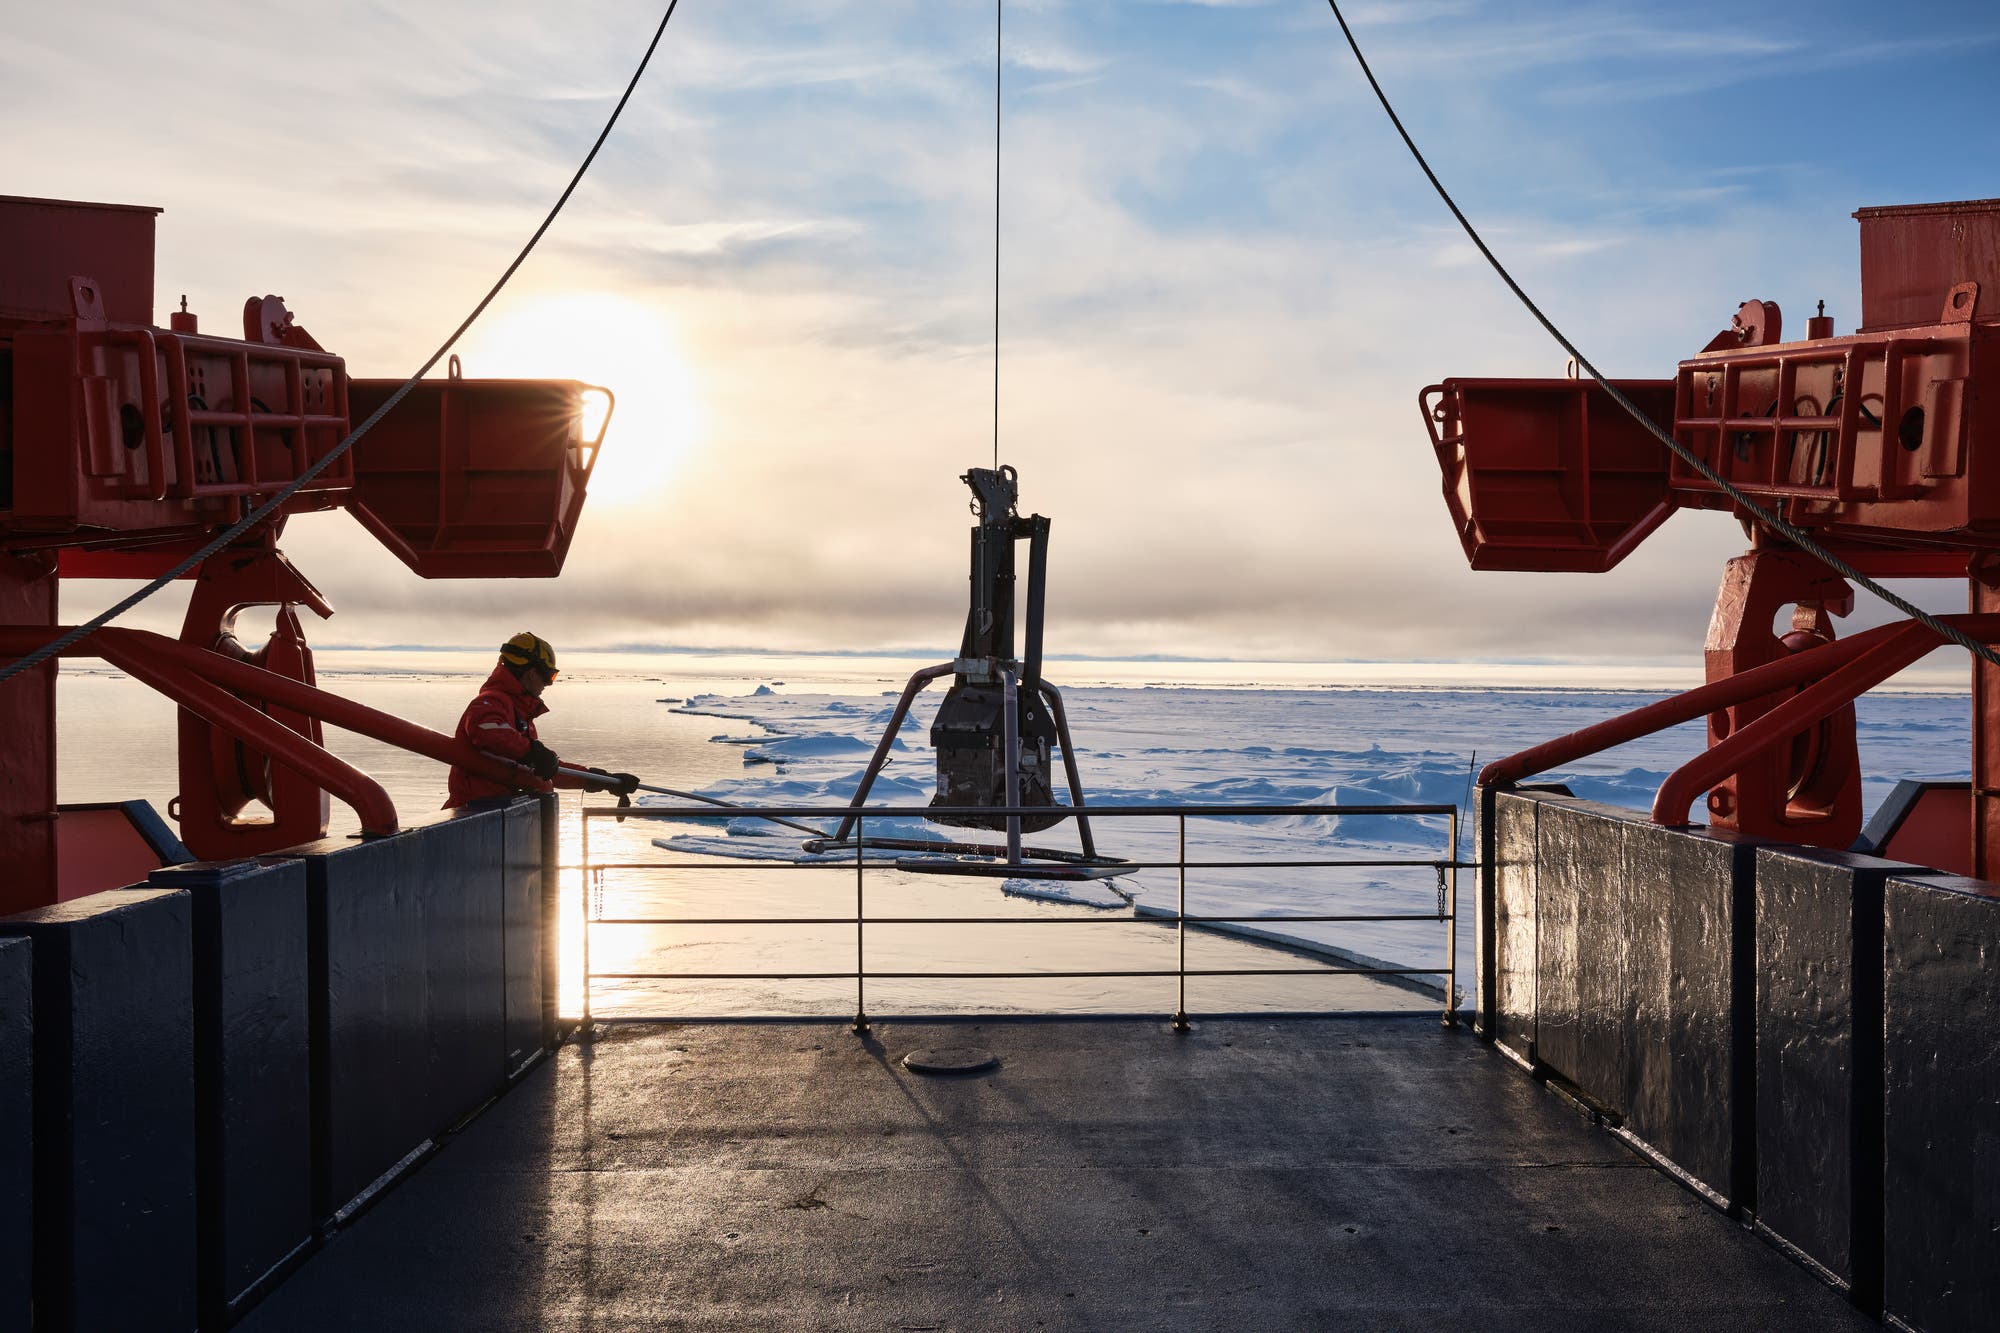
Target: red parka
{"type": "Point", "coordinates": [501, 721]}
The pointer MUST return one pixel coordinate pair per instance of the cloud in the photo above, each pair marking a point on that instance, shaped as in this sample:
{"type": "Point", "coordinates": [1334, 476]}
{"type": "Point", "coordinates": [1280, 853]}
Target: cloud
{"type": "Point", "coordinates": [1223, 284]}
{"type": "Point", "coordinates": [1049, 58]}
{"type": "Point", "coordinates": [1409, 11]}
{"type": "Point", "coordinates": [1754, 60]}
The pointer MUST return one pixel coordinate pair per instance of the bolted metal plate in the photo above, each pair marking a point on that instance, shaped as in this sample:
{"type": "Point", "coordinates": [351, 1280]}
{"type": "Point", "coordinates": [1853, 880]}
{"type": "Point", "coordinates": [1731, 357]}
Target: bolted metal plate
{"type": "Point", "coordinates": [951, 1060]}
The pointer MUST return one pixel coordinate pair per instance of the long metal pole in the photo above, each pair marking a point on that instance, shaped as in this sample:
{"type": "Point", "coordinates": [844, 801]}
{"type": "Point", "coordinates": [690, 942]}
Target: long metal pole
{"type": "Point", "coordinates": [1180, 929]}
{"type": "Point", "coordinates": [860, 950]}
{"type": "Point", "coordinates": [708, 800]}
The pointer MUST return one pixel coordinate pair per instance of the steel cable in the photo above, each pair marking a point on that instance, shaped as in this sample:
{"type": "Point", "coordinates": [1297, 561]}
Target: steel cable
{"type": "Point", "coordinates": [997, 49]}
{"type": "Point", "coordinates": [1795, 536]}
{"type": "Point", "coordinates": [270, 506]}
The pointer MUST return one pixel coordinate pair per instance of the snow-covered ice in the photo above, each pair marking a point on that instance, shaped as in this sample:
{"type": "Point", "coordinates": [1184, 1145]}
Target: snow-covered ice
{"type": "Point", "coordinates": [1153, 747]}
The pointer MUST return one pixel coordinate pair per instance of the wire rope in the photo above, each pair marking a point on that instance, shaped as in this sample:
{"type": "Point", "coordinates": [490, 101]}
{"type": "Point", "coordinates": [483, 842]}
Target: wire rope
{"type": "Point", "coordinates": [1771, 521]}
{"type": "Point", "coordinates": [270, 506]}
{"type": "Point", "coordinates": [997, 50]}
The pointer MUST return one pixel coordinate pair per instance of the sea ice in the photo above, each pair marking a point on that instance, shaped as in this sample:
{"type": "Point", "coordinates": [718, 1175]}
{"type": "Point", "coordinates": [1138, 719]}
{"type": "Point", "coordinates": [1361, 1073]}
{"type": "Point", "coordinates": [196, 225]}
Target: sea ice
{"type": "Point", "coordinates": [1154, 746]}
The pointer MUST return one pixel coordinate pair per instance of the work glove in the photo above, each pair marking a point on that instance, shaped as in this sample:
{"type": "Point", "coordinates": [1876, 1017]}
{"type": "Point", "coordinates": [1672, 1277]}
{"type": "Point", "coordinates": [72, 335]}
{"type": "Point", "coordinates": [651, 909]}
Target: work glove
{"type": "Point", "coordinates": [617, 784]}
{"type": "Point", "coordinates": [621, 785]}
{"type": "Point", "coordinates": [541, 760]}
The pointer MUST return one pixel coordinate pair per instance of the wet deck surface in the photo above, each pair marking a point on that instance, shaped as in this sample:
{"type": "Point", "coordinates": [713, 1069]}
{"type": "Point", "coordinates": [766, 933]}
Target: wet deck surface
{"type": "Point", "coordinates": [1375, 1173]}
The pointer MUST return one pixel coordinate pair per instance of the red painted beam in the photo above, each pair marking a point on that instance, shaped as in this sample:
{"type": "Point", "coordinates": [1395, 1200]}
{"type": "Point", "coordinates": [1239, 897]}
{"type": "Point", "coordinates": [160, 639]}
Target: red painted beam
{"type": "Point", "coordinates": [1805, 709]}
{"type": "Point", "coordinates": [209, 684]}
{"type": "Point", "coordinates": [1684, 707]}
{"type": "Point", "coordinates": [255, 682]}
{"type": "Point", "coordinates": [219, 708]}
{"type": "Point", "coordinates": [1706, 699]}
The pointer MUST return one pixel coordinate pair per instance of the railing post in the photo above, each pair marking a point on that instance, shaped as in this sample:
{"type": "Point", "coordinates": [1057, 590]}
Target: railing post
{"type": "Point", "coordinates": [1451, 932]}
{"type": "Point", "coordinates": [1486, 961]}
{"type": "Point", "coordinates": [591, 907]}
{"type": "Point", "coordinates": [1010, 734]}
{"type": "Point", "coordinates": [860, 951]}
{"type": "Point", "coordinates": [583, 882]}
{"type": "Point", "coordinates": [1180, 929]}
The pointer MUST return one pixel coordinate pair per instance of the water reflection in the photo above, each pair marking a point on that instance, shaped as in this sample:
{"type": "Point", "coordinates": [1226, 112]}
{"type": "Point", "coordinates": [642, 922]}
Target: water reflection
{"type": "Point", "coordinates": [1036, 936]}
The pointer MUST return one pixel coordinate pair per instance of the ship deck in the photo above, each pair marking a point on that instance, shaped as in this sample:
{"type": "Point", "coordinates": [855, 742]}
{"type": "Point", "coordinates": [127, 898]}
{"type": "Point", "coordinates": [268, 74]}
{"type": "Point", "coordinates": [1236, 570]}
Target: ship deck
{"type": "Point", "coordinates": [1371, 1171]}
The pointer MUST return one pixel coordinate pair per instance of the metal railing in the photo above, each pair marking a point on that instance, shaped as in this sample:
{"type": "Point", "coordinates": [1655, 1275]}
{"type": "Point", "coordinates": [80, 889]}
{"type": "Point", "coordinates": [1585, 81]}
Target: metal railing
{"type": "Point", "coordinates": [1446, 867]}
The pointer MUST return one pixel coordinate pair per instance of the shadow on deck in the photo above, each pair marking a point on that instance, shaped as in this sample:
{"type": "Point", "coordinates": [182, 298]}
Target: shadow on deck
{"type": "Point", "coordinates": [1364, 1172]}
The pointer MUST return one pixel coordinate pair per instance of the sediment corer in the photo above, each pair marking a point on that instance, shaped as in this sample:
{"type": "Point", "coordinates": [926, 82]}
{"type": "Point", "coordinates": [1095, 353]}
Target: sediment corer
{"type": "Point", "coordinates": [976, 742]}
{"type": "Point", "coordinates": [1001, 725]}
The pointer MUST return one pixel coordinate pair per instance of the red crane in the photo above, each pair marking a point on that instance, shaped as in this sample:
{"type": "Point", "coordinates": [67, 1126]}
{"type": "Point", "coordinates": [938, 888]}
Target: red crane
{"type": "Point", "coordinates": [126, 447]}
{"type": "Point", "coordinates": [1884, 445]}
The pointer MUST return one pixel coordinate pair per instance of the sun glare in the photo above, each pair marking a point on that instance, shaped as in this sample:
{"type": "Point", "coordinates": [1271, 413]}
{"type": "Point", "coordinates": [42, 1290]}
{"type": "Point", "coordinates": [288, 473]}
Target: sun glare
{"type": "Point", "coordinates": [624, 346]}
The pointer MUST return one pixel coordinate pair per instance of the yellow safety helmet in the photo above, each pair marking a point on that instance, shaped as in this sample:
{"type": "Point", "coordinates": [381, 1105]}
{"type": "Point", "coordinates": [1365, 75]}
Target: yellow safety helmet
{"type": "Point", "coordinates": [529, 650]}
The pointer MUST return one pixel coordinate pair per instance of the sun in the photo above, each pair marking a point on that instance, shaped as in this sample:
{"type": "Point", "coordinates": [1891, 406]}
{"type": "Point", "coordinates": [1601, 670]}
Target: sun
{"type": "Point", "coordinates": [623, 345]}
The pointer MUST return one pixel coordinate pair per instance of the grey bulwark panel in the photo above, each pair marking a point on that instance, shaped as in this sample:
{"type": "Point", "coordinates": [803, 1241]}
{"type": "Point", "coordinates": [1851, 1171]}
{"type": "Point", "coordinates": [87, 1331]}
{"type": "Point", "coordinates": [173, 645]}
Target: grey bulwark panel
{"type": "Point", "coordinates": [551, 937]}
{"type": "Point", "coordinates": [17, 1137]}
{"type": "Point", "coordinates": [253, 1122]}
{"type": "Point", "coordinates": [1513, 922]}
{"type": "Point", "coordinates": [1580, 930]}
{"type": "Point", "coordinates": [367, 1008]}
{"type": "Point", "coordinates": [1941, 1118]}
{"type": "Point", "coordinates": [1626, 961]}
{"type": "Point", "coordinates": [1690, 904]}
{"type": "Point", "coordinates": [522, 908]}
{"type": "Point", "coordinates": [114, 1111]}
{"type": "Point", "coordinates": [465, 961]}
{"type": "Point", "coordinates": [1819, 1058]}
{"type": "Point", "coordinates": [408, 993]}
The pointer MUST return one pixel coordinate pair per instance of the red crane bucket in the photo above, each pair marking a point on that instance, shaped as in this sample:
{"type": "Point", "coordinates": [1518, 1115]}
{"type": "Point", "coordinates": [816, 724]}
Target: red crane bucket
{"type": "Point", "coordinates": [1549, 474]}
{"type": "Point", "coordinates": [476, 478]}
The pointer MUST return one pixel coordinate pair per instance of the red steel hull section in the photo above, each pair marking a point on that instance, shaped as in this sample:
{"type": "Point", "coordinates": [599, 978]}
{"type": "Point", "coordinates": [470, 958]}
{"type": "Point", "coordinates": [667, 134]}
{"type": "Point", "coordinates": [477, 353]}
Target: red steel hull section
{"type": "Point", "coordinates": [126, 447]}
{"type": "Point", "coordinates": [473, 479]}
{"type": "Point", "coordinates": [1549, 474]}
{"type": "Point", "coordinates": [1883, 444]}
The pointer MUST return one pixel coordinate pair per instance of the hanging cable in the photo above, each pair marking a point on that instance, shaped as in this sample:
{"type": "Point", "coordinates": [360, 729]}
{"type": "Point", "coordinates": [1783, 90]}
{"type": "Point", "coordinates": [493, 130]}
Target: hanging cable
{"type": "Point", "coordinates": [997, 4]}
{"type": "Point", "coordinates": [270, 506]}
{"type": "Point", "coordinates": [1769, 520]}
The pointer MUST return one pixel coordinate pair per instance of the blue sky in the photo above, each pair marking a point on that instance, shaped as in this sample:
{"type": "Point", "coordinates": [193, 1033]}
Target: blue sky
{"type": "Point", "coordinates": [1223, 280]}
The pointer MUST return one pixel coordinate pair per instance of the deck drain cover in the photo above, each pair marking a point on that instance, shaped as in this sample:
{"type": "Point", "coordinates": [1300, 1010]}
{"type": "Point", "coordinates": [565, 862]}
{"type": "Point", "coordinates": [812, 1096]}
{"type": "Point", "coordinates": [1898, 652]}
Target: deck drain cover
{"type": "Point", "coordinates": [950, 1060]}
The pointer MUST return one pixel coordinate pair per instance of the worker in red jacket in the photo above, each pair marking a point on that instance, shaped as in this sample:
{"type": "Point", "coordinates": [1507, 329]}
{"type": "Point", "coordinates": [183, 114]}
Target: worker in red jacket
{"type": "Point", "coordinates": [501, 721]}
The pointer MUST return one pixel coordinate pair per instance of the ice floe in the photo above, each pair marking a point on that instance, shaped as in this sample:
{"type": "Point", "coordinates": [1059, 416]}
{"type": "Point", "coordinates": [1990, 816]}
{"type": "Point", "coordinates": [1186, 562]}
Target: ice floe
{"type": "Point", "coordinates": [1159, 747]}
